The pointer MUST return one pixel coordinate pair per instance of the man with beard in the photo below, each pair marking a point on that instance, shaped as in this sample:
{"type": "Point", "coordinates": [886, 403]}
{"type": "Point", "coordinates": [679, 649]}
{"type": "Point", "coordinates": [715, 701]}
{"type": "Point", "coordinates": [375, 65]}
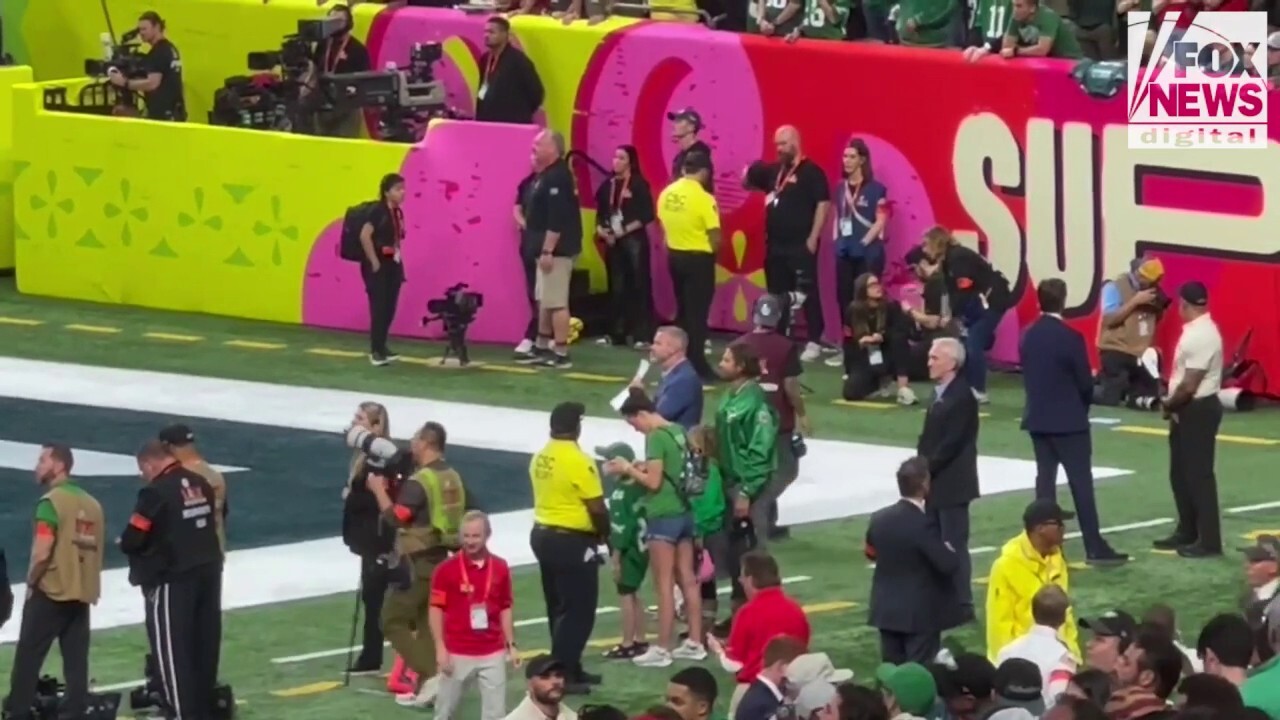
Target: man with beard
{"type": "Point", "coordinates": [780, 372]}
{"type": "Point", "coordinates": [510, 90]}
{"type": "Point", "coordinates": [64, 580]}
{"type": "Point", "coordinates": [546, 690]}
{"type": "Point", "coordinates": [1145, 676]}
{"type": "Point", "coordinates": [796, 203]}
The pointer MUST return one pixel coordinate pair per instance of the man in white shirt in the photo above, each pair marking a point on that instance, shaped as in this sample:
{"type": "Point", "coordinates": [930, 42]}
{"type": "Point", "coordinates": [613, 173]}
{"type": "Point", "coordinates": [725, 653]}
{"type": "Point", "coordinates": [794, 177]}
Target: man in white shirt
{"type": "Point", "coordinates": [1194, 414]}
{"type": "Point", "coordinates": [546, 690]}
{"type": "Point", "coordinates": [1041, 644]}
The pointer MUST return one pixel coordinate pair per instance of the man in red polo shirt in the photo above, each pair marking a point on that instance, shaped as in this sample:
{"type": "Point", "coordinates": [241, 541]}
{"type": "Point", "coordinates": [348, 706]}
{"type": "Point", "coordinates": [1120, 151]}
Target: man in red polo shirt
{"type": "Point", "coordinates": [768, 613]}
{"type": "Point", "coordinates": [470, 619]}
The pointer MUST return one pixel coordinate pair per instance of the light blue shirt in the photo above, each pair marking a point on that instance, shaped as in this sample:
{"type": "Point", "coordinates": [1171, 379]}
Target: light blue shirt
{"type": "Point", "coordinates": [1111, 301]}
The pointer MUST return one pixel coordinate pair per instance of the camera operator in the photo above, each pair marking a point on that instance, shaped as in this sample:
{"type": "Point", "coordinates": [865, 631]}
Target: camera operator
{"type": "Point", "coordinates": [1132, 304]}
{"type": "Point", "coordinates": [366, 535]}
{"type": "Point", "coordinates": [172, 545]}
{"type": "Point", "coordinates": [340, 54]}
{"type": "Point", "coordinates": [162, 87]}
{"type": "Point", "coordinates": [64, 580]}
{"type": "Point", "coordinates": [381, 269]}
{"type": "Point", "coordinates": [426, 511]}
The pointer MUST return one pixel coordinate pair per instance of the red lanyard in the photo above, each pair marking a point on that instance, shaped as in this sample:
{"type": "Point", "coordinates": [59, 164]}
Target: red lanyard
{"type": "Point", "coordinates": [397, 224]}
{"type": "Point", "coordinates": [785, 175]}
{"type": "Point", "coordinates": [466, 581]}
{"type": "Point", "coordinates": [620, 191]}
{"type": "Point", "coordinates": [492, 65]}
{"type": "Point", "coordinates": [851, 196]}
{"type": "Point", "coordinates": [331, 62]}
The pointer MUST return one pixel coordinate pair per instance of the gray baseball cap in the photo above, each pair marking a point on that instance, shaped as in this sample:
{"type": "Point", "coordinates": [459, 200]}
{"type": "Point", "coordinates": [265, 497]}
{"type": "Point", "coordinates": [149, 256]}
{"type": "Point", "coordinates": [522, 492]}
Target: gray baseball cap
{"type": "Point", "coordinates": [767, 312]}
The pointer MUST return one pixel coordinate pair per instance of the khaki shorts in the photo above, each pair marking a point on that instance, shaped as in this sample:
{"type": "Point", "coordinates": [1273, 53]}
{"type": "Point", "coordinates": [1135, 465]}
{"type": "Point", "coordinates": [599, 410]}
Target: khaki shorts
{"type": "Point", "coordinates": [552, 288]}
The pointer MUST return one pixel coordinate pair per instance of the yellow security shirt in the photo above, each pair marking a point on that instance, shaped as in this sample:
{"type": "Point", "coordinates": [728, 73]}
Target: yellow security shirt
{"type": "Point", "coordinates": [563, 477]}
{"type": "Point", "coordinates": [687, 213]}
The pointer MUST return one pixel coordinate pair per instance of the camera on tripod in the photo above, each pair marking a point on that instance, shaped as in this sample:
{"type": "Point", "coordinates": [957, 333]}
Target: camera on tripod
{"type": "Point", "coordinates": [457, 310]}
{"type": "Point", "coordinates": [408, 98]}
{"type": "Point", "coordinates": [296, 49]}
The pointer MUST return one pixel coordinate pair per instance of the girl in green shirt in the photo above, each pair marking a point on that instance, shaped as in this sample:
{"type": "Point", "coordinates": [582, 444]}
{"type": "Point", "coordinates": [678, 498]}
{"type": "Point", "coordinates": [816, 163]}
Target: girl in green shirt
{"type": "Point", "coordinates": [710, 508]}
{"type": "Point", "coordinates": [669, 527]}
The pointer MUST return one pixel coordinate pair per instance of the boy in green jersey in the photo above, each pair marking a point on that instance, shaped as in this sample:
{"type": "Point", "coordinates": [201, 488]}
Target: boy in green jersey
{"type": "Point", "coordinates": [990, 23]}
{"type": "Point", "coordinates": [630, 558]}
{"type": "Point", "coordinates": [1038, 31]}
{"type": "Point", "coordinates": [825, 19]}
{"type": "Point", "coordinates": [710, 511]}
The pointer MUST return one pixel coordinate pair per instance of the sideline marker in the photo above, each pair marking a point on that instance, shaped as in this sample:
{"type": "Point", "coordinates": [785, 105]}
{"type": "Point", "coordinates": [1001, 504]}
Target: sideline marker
{"type": "Point", "coordinates": [329, 352]}
{"type": "Point", "coordinates": [99, 329]}
{"type": "Point", "coordinates": [23, 322]}
{"type": "Point", "coordinates": [313, 689]}
{"type": "Point", "coordinates": [173, 337]}
{"type": "Point", "coordinates": [510, 369]}
{"type": "Point", "coordinates": [254, 345]}
{"type": "Point", "coordinates": [591, 377]}
{"type": "Point", "coordinates": [1162, 432]}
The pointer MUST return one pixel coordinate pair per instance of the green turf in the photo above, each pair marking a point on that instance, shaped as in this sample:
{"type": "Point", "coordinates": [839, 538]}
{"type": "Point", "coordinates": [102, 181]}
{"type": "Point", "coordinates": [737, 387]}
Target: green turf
{"type": "Point", "coordinates": [829, 552]}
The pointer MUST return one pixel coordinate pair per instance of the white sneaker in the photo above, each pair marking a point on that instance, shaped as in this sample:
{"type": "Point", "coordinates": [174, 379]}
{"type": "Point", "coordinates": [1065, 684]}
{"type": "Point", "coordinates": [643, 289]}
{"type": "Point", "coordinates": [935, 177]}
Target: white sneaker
{"type": "Point", "coordinates": [525, 347]}
{"type": "Point", "coordinates": [425, 697]}
{"type": "Point", "coordinates": [812, 351]}
{"type": "Point", "coordinates": [981, 397]}
{"type": "Point", "coordinates": [907, 396]}
{"type": "Point", "coordinates": [835, 361]}
{"type": "Point", "coordinates": [1151, 362]}
{"type": "Point", "coordinates": [654, 657]}
{"type": "Point", "coordinates": [689, 650]}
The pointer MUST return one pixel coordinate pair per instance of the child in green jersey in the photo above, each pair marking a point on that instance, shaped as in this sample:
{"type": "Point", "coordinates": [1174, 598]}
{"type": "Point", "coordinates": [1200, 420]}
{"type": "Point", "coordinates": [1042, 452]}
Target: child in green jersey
{"type": "Point", "coordinates": [630, 559]}
{"type": "Point", "coordinates": [710, 510]}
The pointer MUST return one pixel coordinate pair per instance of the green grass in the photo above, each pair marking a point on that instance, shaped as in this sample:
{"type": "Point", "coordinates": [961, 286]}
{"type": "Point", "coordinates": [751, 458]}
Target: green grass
{"type": "Point", "coordinates": [829, 552]}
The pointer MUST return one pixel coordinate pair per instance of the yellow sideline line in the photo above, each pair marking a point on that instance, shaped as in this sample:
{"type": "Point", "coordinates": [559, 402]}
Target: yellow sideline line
{"type": "Point", "coordinates": [254, 345]}
{"type": "Point", "coordinates": [172, 336]}
{"type": "Point", "coordinates": [25, 322]}
{"type": "Point", "coordinates": [510, 369]}
{"type": "Point", "coordinates": [591, 377]}
{"type": "Point", "coordinates": [1163, 432]}
{"type": "Point", "coordinates": [329, 352]}
{"type": "Point", "coordinates": [100, 329]}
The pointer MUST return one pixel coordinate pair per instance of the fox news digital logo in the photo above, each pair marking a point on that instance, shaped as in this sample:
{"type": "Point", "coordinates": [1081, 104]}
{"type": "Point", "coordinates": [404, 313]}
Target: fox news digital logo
{"type": "Point", "coordinates": [1204, 85]}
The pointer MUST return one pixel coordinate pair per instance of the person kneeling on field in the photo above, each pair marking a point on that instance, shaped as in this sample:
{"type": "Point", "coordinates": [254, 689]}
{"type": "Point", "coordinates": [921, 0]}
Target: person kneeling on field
{"type": "Point", "coordinates": [629, 556]}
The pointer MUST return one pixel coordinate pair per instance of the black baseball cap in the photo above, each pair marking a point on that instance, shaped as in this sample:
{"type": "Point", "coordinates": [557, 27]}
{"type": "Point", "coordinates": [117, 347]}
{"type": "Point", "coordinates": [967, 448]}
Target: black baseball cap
{"type": "Point", "coordinates": [1194, 293]}
{"type": "Point", "coordinates": [542, 666]}
{"type": "Point", "coordinates": [1043, 511]}
{"type": "Point", "coordinates": [1266, 548]}
{"type": "Point", "coordinates": [567, 417]}
{"type": "Point", "coordinates": [1018, 684]}
{"type": "Point", "coordinates": [177, 434]}
{"type": "Point", "coordinates": [972, 675]}
{"type": "Point", "coordinates": [1115, 623]}
{"type": "Point", "coordinates": [688, 115]}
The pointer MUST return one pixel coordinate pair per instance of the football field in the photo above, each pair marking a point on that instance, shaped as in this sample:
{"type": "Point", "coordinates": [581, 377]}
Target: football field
{"type": "Point", "coordinates": [268, 402]}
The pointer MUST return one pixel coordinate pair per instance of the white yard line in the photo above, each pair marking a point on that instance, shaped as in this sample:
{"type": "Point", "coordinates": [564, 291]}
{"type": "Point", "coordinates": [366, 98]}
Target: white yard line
{"type": "Point", "coordinates": [1105, 531]}
{"type": "Point", "coordinates": [1254, 508]}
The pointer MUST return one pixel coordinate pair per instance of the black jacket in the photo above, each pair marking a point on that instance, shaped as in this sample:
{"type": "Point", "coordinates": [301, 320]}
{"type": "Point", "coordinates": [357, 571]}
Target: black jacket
{"type": "Point", "coordinates": [512, 92]}
{"type": "Point", "coordinates": [968, 275]}
{"type": "Point", "coordinates": [949, 441]}
{"type": "Point", "coordinates": [1056, 377]}
{"type": "Point", "coordinates": [363, 530]}
{"type": "Point", "coordinates": [172, 531]}
{"type": "Point", "coordinates": [912, 586]}
{"type": "Point", "coordinates": [634, 199]}
{"type": "Point", "coordinates": [677, 165]}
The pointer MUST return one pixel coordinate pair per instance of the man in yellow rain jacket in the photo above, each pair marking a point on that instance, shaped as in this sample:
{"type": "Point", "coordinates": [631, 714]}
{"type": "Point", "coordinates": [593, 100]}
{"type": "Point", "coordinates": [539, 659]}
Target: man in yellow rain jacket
{"type": "Point", "coordinates": [1027, 563]}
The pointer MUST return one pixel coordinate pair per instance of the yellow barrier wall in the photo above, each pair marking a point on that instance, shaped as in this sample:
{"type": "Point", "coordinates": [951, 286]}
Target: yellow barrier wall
{"type": "Point", "coordinates": [140, 212]}
{"type": "Point", "coordinates": [214, 36]}
{"type": "Point", "coordinates": [9, 76]}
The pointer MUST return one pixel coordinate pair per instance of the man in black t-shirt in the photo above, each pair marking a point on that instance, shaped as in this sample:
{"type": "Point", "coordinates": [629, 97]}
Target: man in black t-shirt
{"type": "Point", "coordinates": [380, 265]}
{"type": "Point", "coordinates": [530, 249]}
{"type": "Point", "coordinates": [162, 86]}
{"type": "Point", "coordinates": [797, 199]}
{"type": "Point", "coordinates": [338, 55]}
{"type": "Point", "coordinates": [685, 126]}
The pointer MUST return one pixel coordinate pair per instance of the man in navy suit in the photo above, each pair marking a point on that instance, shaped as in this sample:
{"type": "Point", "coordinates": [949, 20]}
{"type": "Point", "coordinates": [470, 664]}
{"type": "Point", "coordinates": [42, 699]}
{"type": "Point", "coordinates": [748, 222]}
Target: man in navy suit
{"type": "Point", "coordinates": [1059, 388]}
{"type": "Point", "coordinates": [913, 587]}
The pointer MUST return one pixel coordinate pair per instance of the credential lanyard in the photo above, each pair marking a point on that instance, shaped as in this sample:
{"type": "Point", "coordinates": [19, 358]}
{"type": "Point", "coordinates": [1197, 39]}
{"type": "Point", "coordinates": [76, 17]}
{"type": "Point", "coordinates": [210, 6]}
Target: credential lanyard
{"type": "Point", "coordinates": [785, 175]}
{"type": "Point", "coordinates": [466, 581]}
{"type": "Point", "coordinates": [331, 62]}
{"type": "Point", "coordinates": [620, 191]}
{"type": "Point", "coordinates": [492, 65]}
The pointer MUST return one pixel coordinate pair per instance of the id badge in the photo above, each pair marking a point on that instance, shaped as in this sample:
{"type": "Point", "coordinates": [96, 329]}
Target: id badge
{"type": "Point", "coordinates": [397, 257]}
{"type": "Point", "coordinates": [846, 227]}
{"type": "Point", "coordinates": [484, 90]}
{"type": "Point", "coordinates": [1144, 327]}
{"type": "Point", "coordinates": [479, 617]}
{"type": "Point", "coordinates": [771, 199]}
{"type": "Point", "coordinates": [615, 224]}
{"type": "Point", "coordinates": [874, 355]}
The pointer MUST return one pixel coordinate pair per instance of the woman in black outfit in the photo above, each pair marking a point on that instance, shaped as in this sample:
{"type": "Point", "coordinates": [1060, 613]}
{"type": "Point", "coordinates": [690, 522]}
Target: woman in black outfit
{"type": "Point", "coordinates": [876, 349]}
{"type": "Point", "coordinates": [366, 535]}
{"type": "Point", "coordinates": [624, 209]}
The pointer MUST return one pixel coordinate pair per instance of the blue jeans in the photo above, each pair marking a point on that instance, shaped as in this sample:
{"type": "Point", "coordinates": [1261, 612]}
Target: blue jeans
{"type": "Point", "coordinates": [671, 530]}
{"type": "Point", "coordinates": [981, 335]}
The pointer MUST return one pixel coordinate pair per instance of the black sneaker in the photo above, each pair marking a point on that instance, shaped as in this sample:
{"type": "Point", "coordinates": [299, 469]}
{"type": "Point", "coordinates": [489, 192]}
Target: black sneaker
{"type": "Point", "coordinates": [1173, 542]}
{"type": "Point", "coordinates": [1197, 552]}
{"type": "Point", "coordinates": [534, 356]}
{"type": "Point", "coordinates": [1109, 558]}
{"type": "Point", "coordinates": [378, 360]}
{"type": "Point", "coordinates": [391, 356]}
{"type": "Point", "coordinates": [556, 361]}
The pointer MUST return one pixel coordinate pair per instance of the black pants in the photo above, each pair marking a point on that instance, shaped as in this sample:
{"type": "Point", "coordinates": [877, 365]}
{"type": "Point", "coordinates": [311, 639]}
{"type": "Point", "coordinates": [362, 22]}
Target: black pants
{"type": "Point", "coordinates": [1122, 380]}
{"type": "Point", "coordinates": [1192, 444]}
{"type": "Point", "coordinates": [1074, 452]}
{"type": "Point", "coordinates": [899, 647]}
{"type": "Point", "coordinates": [530, 263]}
{"type": "Point", "coordinates": [184, 627]}
{"type": "Point", "coordinates": [373, 588]}
{"type": "Point", "coordinates": [383, 289]}
{"type": "Point", "coordinates": [43, 621]}
{"type": "Point", "coordinates": [570, 588]}
{"type": "Point", "coordinates": [693, 275]}
{"type": "Point", "coordinates": [796, 270]}
{"type": "Point", "coordinates": [952, 522]}
{"type": "Point", "coordinates": [847, 271]}
{"type": "Point", "coordinates": [630, 296]}
{"type": "Point", "coordinates": [863, 379]}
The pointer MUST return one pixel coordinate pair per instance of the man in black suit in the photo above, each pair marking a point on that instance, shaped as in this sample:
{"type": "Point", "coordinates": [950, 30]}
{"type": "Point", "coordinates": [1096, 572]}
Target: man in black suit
{"type": "Point", "coordinates": [1059, 388]}
{"type": "Point", "coordinates": [949, 442]}
{"type": "Point", "coordinates": [912, 587]}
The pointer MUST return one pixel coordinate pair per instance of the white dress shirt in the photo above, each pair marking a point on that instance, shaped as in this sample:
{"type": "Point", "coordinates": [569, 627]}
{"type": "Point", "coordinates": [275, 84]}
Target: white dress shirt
{"type": "Point", "coordinates": [1042, 646]}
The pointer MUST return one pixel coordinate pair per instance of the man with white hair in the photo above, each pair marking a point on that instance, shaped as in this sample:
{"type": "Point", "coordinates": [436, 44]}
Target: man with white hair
{"type": "Point", "coordinates": [949, 442]}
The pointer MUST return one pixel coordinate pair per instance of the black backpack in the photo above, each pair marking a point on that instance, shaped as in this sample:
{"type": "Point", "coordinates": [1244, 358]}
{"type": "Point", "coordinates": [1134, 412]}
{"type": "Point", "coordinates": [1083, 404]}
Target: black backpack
{"type": "Point", "coordinates": [352, 223]}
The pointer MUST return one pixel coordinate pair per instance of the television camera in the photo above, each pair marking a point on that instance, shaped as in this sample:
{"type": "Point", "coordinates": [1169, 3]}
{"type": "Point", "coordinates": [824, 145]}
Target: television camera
{"type": "Point", "coordinates": [456, 310]}
{"type": "Point", "coordinates": [48, 701]}
{"type": "Point", "coordinates": [150, 695]}
{"type": "Point", "coordinates": [125, 57]}
{"type": "Point", "coordinates": [382, 456]}
{"type": "Point", "coordinates": [407, 99]}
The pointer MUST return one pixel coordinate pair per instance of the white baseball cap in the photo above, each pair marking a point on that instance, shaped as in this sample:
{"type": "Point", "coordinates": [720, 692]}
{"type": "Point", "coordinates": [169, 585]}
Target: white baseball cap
{"type": "Point", "coordinates": [1273, 41]}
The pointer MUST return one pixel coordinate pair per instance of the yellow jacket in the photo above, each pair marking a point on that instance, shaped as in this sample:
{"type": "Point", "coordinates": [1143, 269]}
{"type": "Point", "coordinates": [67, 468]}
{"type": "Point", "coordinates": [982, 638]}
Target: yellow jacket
{"type": "Point", "coordinates": [1016, 576]}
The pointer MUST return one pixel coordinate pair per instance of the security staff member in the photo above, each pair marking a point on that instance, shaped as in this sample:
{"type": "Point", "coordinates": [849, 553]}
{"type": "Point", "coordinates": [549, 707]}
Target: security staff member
{"type": "Point", "coordinates": [570, 521]}
{"type": "Point", "coordinates": [1194, 414]}
{"type": "Point", "coordinates": [381, 267]}
{"type": "Point", "coordinates": [427, 513]}
{"type": "Point", "coordinates": [685, 126]}
{"type": "Point", "coordinates": [691, 223]}
{"type": "Point", "coordinates": [510, 90]}
{"type": "Point", "coordinates": [64, 580]}
{"type": "Point", "coordinates": [172, 545]}
{"type": "Point", "coordinates": [337, 55]}
{"type": "Point", "coordinates": [162, 87]}
{"type": "Point", "coordinates": [181, 442]}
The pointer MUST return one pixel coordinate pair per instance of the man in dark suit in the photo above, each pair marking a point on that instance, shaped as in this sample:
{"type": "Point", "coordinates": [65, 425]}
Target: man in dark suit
{"type": "Point", "coordinates": [949, 442]}
{"type": "Point", "coordinates": [1059, 389]}
{"type": "Point", "coordinates": [912, 587]}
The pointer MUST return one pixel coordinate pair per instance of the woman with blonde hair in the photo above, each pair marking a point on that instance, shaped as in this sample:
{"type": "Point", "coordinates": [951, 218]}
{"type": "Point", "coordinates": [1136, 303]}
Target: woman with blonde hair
{"type": "Point", "coordinates": [366, 535]}
{"type": "Point", "coordinates": [976, 294]}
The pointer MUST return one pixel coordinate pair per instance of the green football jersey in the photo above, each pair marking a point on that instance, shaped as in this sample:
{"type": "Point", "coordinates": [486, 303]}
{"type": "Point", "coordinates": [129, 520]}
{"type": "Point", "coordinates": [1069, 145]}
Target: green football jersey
{"type": "Point", "coordinates": [818, 25]}
{"type": "Point", "coordinates": [991, 18]}
{"type": "Point", "coordinates": [626, 516]}
{"type": "Point", "coordinates": [772, 9]}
